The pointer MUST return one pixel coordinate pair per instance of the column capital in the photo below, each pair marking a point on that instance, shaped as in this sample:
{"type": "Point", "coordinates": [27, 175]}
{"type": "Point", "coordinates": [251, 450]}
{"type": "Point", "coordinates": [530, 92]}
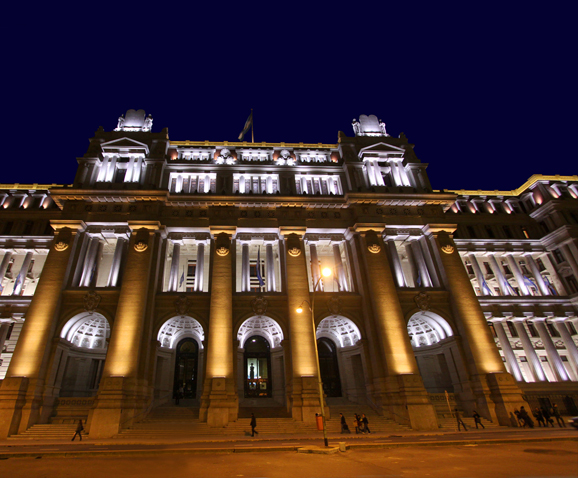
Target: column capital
{"type": "Point", "coordinates": [363, 228]}
{"type": "Point", "coordinates": [73, 225]}
{"type": "Point", "coordinates": [437, 229]}
{"type": "Point", "coordinates": [151, 225]}
{"type": "Point", "coordinates": [216, 230]}
{"type": "Point", "coordinates": [288, 230]}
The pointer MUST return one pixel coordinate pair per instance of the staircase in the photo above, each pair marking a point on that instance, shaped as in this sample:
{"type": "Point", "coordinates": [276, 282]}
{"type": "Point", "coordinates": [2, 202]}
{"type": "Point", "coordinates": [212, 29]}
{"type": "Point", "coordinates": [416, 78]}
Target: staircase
{"type": "Point", "coordinates": [377, 423]}
{"type": "Point", "coordinates": [48, 431]}
{"type": "Point", "coordinates": [447, 424]}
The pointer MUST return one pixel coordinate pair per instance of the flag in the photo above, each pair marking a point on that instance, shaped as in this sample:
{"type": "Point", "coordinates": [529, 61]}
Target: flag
{"type": "Point", "coordinates": [529, 282]}
{"type": "Point", "coordinates": [248, 124]}
{"type": "Point", "coordinates": [418, 281]}
{"type": "Point", "coordinates": [261, 281]}
{"type": "Point", "coordinates": [550, 286]}
{"type": "Point", "coordinates": [17, 284]}
{"type": "Point", "coordinates": [510, 287]}
{"type": "Point", "coordinates": [182, 278]}
{"type": "Point", "coordinates": [486, 288]}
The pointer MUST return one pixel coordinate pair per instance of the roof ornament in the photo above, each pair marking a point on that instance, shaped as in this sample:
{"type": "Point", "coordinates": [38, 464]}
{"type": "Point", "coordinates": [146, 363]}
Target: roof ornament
{"type": "Point", "coordinates": [135, 121]}
{"type": "Point", "coordinates": [369, 126]}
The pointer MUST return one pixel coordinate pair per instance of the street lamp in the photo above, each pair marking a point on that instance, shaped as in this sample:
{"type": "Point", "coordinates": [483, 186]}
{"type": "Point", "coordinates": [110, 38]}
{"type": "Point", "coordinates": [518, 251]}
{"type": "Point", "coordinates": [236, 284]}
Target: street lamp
{"type": "Point", "coordinates": [326, 272]}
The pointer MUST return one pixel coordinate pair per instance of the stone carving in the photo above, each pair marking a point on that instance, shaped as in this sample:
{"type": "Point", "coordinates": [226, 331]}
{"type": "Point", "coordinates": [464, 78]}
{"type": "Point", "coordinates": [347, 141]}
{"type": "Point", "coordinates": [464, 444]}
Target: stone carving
{"type": "Point", "coordinates": [294, 252]}
{"type": "Point", "coordinates": [182, 305]}
{"type": "Point", "coordinates": [374, 248]}
{"type": "Point", "coordinates": [369, 126]}
{"type": "Point", "coordinates": [356, 127]}
{"type": "Point", "coordinates": [422, 299]}
{"type": "Point", "coordinates": [222, 251]}
{"type": "Point", "coordinates": [285, 158]}
{"type": "Point", "coordinates": [448, 249]}
{"type": "Point", "coordinates": [140, 246]}
{"type": "Point", "coordinates": [259, 305]}
{"type": "Point", "coordinates": [134, 120]}
{"type": "Point", "coordinates": [334, 305]}
{"type": "Point", "coordinates": [61, 246]}
{"type": "Point", "coordinates": [91, 301]}
{"type": "Point", "coordinates": [148, 123]}
{"type": "Point", "coordinates": [225, 157]}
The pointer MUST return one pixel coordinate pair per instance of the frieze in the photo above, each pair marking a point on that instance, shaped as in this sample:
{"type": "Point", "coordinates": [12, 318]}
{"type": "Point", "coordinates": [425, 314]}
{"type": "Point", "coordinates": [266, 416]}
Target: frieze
{"type": "Point", "coordinates": [323, 237]}
{"type": "Point", "coordinates": [197, 236]}
{"type": "Point", "coordinates": [256, 236]}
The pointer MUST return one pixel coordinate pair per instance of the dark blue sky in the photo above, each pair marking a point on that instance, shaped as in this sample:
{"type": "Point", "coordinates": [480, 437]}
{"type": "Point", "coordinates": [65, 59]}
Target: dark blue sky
{"type": "Point", "coordinates": [487, 91]}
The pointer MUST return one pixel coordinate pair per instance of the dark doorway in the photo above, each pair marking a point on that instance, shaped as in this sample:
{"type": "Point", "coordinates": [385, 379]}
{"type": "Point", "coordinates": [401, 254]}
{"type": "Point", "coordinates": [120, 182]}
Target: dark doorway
{"type": "Point", "coordinates": [186, 365]}
{"type": "Point", "coordinates": [329, 367]}
{"type": "Point", "coordinates": [257, 367]}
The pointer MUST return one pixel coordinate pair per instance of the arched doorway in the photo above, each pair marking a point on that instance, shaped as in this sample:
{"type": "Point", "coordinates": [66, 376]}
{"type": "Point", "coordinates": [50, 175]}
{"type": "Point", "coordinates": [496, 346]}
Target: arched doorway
{"type": "Point", "coordinates": [329, 367]}
{"type": "Point", "coordinates": [257, 359]}
{"type": "Point", "coordinates": [80, 355]}
{"type": "Point", "coordinates": [341, 359]}
{"type": "Point", "coordinates": [261, 363]}
{"type": "Point", "coordinates": [186, 367]}
{"type": "Point", "coordinates": [179, 360]}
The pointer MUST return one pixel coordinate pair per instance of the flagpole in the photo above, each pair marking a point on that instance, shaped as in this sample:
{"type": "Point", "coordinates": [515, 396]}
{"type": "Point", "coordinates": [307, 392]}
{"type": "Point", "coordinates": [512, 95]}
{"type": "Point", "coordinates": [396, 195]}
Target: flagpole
{"type": "Point", "coordinates": [252, 124]}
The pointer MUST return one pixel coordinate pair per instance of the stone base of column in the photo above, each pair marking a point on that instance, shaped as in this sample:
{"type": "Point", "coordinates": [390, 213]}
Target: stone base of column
{"type": "Point", "coordinates": [221, 405]}
{"type": "Point", "coordinates": [506, 397]}
{"type": "Point", "coordinates": [408, 402]}
{"type": "Point", "coordinates": [305, 400]}
{"type": "Point", "coordinates": [120, 401]}
{"type": "Point", "coordinates": [12, 401]}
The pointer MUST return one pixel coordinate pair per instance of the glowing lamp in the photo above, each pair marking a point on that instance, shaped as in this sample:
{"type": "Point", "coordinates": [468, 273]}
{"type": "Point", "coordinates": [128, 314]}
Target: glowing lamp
{"type": "Point", "coordinates": [326, 272]}
{"type": "Point", "coordinates": [299, 310]}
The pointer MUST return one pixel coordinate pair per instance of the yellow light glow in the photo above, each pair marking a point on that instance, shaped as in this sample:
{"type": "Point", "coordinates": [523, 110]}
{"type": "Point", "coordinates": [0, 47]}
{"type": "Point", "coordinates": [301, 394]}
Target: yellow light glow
{"type": "Point", "coordinates": [299, 310]}
{"type": "Point", "coordinates": [326, 272]}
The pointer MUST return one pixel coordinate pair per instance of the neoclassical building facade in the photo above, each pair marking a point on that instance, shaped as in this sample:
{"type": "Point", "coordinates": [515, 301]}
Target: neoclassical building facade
{"type": "Point", "coordinates": [196, 267]}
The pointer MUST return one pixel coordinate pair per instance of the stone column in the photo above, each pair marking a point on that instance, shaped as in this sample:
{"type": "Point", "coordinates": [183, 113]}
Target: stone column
{"type": "Point", "coordinates": [200, 269]}
{"type": "Point", "coordinates": [504, 289]}
{"type": "Point", "coordinates": [553, 357]}
{"type": "Point", "coordinates": [529, 350]}
{"type": "Point", "coordinates": [339, 272]}
{"type": "Point", "coordinates": [517, 274]}
{"type": "Point", "coordinates": [568, 342]}
{"type": "Point", "coordinates": [174, 274]}
{"type": "Point", "coordinates": [123, 391]}
{"type": "Point", "coordinates": [494, 393]}
{"type": "Point", "coordinates": [22, 389]}
{"type": "Point", "coordinates": [89, 261]}
{"type": "Point", "coordinates": [421, 265]}
{"type": "Point", "coordinates": [423, 242]}
{"type": "Point", "coordinates": [4, 327]}
{"type": "Point", "coordinates": [570, 259]}
{"type": "Point", "coordinates": [129, 170]}
{"type": "Point", "coordinates": [403, 391]}
{"type": "Point", "coordinates": [4, 266]}
{"type": "Point", "coordinates": [271, 285]}
{"type": "Point", "coordinates": [508, 352]}
{"type": "Point", "coordinates": [412, 263]}
{"type": "Point", "coordinates": [116, 263]}
{"type": "Point", "coordinates": [305, 391]}
{"type": "Point", "coordinates": [245, 268]}
{"type": "Point", "coordinates": [537, 276]}
{"type": "Point", "coordinates": [400, 279]}
{"type": "Point", "coordinates": [315, 269]}
{"type": "Point", "coordinates": [478, 273]}
{"type": "Point", "coordinates": [21, 277]}
{"type": "Point", "coordinates": [219, 402]}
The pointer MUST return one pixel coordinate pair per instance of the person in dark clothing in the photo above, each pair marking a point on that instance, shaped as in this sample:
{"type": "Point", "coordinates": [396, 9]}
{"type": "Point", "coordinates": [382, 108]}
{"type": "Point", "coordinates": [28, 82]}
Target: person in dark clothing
{"type": "Point", "coordinates": [521, 422]}
{"type": "Point", "coordinates": [78, 432]}
{"type": "Point", "coordinates": [557, 416]}
{"type": "Point", "coordinates": [539, 417]}
{"type": "Point", "coordinates": [365, 422]}
{"type": "Point", "coordinates": [356, 423]}
{"type": "Point", "coordinates": [344, 427]}
{"type": "Point", "coordinates": [253, 425]}
{"type": "Point", "coordinates": [546, 414]}
{"type": "Point", "coordinates": [459, 420]}
{"type": "Point", "coordinates": [527, 420]}
{"type": "Point", "coordinates": [478, 420]}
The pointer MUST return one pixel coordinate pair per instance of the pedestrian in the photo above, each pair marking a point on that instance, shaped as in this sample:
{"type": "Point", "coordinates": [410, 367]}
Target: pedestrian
{"type": "Point", "coordinates": [546, 414]}
{"type": "Point", "coordinates": [521, 422]}
{"type": "Point", "coordinates": [478, 420]}
{"type": "Point", "coordinates": [356, 423]}
{"type": "Point", "coordinates": [344, 427]}
{"type": "Point", "coordinates": [365, 423]}
{"type": "Point", "coordinates": [253, 425]}
{"type": "Point", "coordinates": [539, 417]}
{"type": "Point", "coordinates": [557, 416]}
{"type": "Point", "coordinates": [527, 420]}
{"type": "Point", "coordinates": [459, 420]}
{"type": "Point", "coordinates": [78, 432]}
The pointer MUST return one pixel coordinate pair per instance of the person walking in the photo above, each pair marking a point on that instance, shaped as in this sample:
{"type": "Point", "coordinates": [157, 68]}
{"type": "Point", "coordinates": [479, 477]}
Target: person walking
{"type": "Point", "coordinates": [539, 417]}
{"type": "Point", "coordinates": [356, 423]}
{"type": "Point", "coordinates": [344, 427]}
{"type": "Point", "coordinates": [557, 416]}
{"type": "Point", "coordinates": [459, 420]}
{"type": "Point", "coordinates": [547, 417]}
{"type": "Point", "coordinates": [478, 420]}
{"type": "Point", "coordinates": [78, 432]}
{"type": "Point", "coordinates": [527, 420]}
{"type": "Point", "coordinates": [365, 422]}
{"type": "Point", "coordinates": [253, 425]}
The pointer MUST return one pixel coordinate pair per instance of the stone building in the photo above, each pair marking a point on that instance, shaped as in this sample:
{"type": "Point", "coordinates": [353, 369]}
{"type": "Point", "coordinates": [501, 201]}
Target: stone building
{"type": "Point", "coordinates": [196, 266]}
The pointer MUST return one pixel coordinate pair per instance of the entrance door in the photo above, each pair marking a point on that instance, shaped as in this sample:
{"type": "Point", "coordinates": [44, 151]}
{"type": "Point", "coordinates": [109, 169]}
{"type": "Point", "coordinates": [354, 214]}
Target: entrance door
{"type": "Point", "coordinates": [329, 367]}
{"type": "Point", "coordinates": [186, 365]}
{"type": "Point", "coordinates": [257, 367]}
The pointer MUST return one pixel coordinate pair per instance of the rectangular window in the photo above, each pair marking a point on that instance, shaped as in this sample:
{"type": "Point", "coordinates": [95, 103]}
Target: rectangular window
{"type": "Point", "coordinates": [541, 265]}
{"type": "Point", "coordinates": [512, 329]}
{"type": "Point", "coordinates": [563, 358]}
{"type": "Point", "coordinates": [532, 329]}
{"type": "Point", "coordinates": [571, 328]}
{"type": "Point", "coordinates": [488, 268]}
{"type": "Point", "coordinates": [469, 268]}
{"type": "Point", "coordinates": [493, 329]}
{"type": "Point", "coordinates": [558, 256]}
{"type": "Point", "coordinates": [543, 358]}
{"type": "Point", "coordinates": [572, 284]}
{"type": "Point", "coordinates": [497, 291]}
{"type": "Point", "coordinates": [506, 268]}
{"type": "Point", "coordinates": [523, 359]}
{"type": "Point", "coordinates": [552, 330]}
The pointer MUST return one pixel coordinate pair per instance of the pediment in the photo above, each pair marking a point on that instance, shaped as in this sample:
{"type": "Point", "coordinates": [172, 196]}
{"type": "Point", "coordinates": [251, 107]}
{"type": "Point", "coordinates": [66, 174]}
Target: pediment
{"type": "Point", "coordinates": [124, 145]}
{"type": "Point", "coordinates": [380, 149]}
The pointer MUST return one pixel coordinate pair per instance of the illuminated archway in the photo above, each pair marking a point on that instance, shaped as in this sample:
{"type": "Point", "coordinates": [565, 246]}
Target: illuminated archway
{"type": "Point", "coordinates": [177, 328]}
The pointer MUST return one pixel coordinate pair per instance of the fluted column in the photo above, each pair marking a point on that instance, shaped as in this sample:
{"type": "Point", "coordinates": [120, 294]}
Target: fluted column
{"type": "Point", "coordinates": [200, 268]}
{"type": "Point", "coordinates": [412, 264]}
{"type": "Point", "coordinates": [315, 269]}
{"type": "Point", "coordinates": [504, 289]}
{"type": "Point", "coordinates": [4, 266]}
{"type": "Point", "coordinates": [245, 268]}
{"type": "Point", "coordinates": [478, 273]}
{"type": "Point", "coordinates": [174, 274]}
{"type": "Point", "coordinates": [569, 343]}
{"type": "Point", "coordinates": [116, 262]}
{"type": "Point", "coordinates": [511, 360]}
{"type": "Point", "coordinates": [4, 327]}
{"type": "Point", "coordinates": [553, 357]}
{"type": "Point", "coordinates": [340, 272]}
{"type": "Point", "coordinates": [21, 277]}
{"type": "Point", "coordinates": [423, 243]}
{"type": "Point", "coordinates": [399, 277]}
{"type": "Point", "coordinates": [529, 350]}
{"type": "Point", "coordinates": [517, 274]}
{"type": "Point", "coordinates": [537, 276]}
{"type": "Point", "coordinates": [89, 261]}
{"type": "Point", "coordinates": [422, 266]}
{"type": "Point", "coordinates": [270, 265]}
{"type": "Point", "coordinates": [570, 259]}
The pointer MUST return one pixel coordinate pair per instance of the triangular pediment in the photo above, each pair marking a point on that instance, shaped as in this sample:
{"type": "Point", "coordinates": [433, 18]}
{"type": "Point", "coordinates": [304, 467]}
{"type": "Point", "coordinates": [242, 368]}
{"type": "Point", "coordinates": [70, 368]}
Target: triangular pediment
{"type": "Point", "coordinates": [380, 149]}
{"type": "Point", "coordinates": [125, 145]}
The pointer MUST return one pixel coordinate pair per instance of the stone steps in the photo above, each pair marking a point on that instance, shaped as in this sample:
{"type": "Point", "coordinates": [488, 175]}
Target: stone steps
{"type": "Point", "coordinates": [450, 423]}
{"type": "Point", "coordinates": [48, 431]}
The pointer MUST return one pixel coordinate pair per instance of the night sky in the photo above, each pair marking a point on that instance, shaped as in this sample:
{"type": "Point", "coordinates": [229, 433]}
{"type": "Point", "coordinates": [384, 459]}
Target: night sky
{"type": "Point", "coordinates": [487, 91]}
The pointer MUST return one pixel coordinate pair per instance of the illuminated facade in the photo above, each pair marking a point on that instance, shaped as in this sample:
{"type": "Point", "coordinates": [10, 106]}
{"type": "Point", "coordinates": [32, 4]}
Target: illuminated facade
{"type": "Point", "coordinates": [179, 266]}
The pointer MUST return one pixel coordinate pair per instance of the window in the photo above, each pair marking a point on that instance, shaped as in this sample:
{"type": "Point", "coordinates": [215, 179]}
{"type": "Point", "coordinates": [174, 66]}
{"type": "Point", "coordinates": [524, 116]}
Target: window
{"type": "Point", "coordinates": [571, 328]}
{"type": "Point", "coordinates": [506, 268]}
{"type": "Point", "coordinates": [524, 268]}
{"type": "Point", "coordinates": [532, 329]}
{"type": "Point", "coordinates": [497, 291]}
{"type": "Point", "coordinates": [563, 358]}
{"type": "Point", "coordinates": [552, 330]}
{"type": "Point", "coordinates": [572, 283]}
{"type": "Point", "coordinates": [541, 265]}
{"type": "Point", "coordinates": [543, 358]}
{"type": "Point", "coordinates": [558, 256]}
{"type": "Point", "coordinates": [10, 329]}
{"type": "Point", "coordinates": [493, 329]}
{"type": "Point", "coordinates": [523, 359]}
{"type": "Point", "coordinates": [488, 268]}
{"type": "Point", "coordinates": [512, 329]}
{"type": "Point", "coordinates": [469, 268]}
